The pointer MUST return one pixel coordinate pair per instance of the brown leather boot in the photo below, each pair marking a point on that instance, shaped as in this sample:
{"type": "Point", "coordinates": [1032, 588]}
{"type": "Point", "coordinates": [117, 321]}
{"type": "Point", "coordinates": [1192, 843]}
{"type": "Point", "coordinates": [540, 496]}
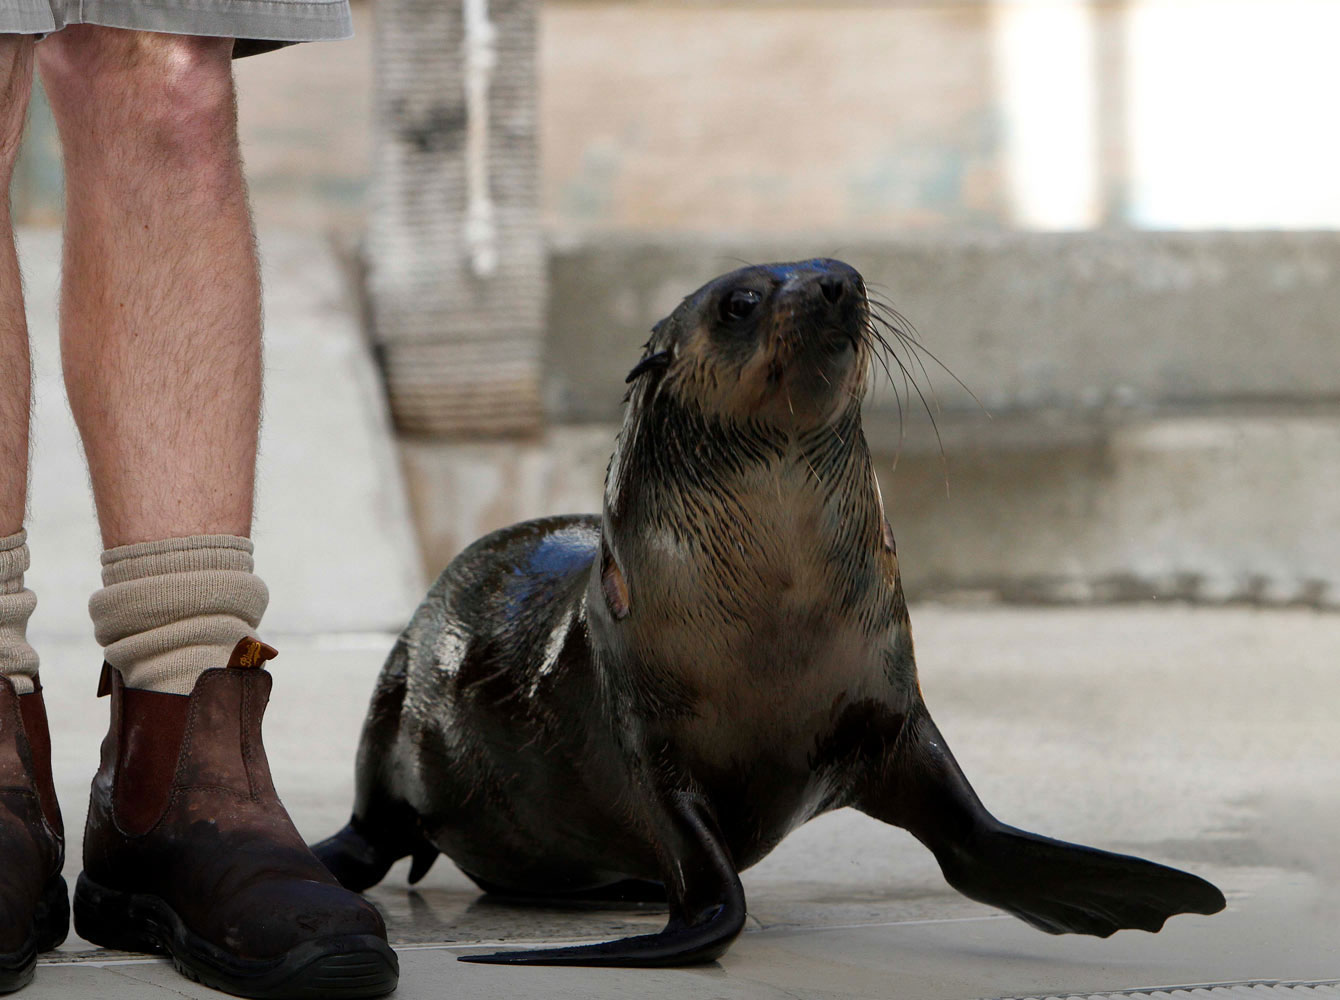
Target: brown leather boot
{"type": "Point", "coordinates": [189, 851]}
{"type": "Point", "coordinates": [34, 903]}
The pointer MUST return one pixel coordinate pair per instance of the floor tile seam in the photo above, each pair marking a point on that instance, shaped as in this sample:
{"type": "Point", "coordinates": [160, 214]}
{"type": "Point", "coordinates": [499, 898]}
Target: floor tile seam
{"type": "Point", "coordinates": [97, 959]}
{"type": "Point", "coordinates": [142, 984]}
{"type": "Point", "coordinates": [1264, 988]}
{"type": "Point", "coordinates": [925, 922]}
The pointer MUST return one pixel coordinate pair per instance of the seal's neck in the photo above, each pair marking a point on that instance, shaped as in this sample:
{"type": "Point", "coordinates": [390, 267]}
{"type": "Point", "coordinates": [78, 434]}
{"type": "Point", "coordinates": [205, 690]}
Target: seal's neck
{"type": "Point", "coordinates": [735, 516]}
{"type": "Point", "coordinates": [667, 452]}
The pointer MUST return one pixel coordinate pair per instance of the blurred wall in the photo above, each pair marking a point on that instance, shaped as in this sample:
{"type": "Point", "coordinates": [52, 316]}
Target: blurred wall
{"type": "Point", "coordinates": [859, 116]}
{"type": "Point", "coordinates": [770, 117]}
{"type": "Point", "coordinates": [1164, 415]}
{"type": "Point", "coordinates": [747, 115]}
{"type": "Point", "coordinates": [305, 118]}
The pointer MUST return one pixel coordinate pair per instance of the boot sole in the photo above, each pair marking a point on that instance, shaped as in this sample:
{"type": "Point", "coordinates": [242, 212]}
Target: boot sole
{"type": "Point", "coordinates": [347, 968]}
{"type": "Point", "coordinates": [50, 924]}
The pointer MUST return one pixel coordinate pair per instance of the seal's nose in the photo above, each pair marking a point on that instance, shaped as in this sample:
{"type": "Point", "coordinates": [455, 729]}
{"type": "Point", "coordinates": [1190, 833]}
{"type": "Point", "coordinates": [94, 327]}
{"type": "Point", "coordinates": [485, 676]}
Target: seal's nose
{"type": "Point", "coordinates": [833, 287]}
{"type": "Point", "coordinates": [825, 284]}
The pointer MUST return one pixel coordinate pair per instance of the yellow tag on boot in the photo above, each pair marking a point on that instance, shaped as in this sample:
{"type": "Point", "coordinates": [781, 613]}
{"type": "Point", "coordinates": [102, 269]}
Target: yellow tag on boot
{"type": "Point", "coordinates": [251, 652]}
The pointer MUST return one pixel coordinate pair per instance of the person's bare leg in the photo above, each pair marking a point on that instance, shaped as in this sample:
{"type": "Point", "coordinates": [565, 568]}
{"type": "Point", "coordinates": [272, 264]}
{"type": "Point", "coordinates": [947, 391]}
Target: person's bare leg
{"type": "Point", "coordinates": [160, 300]}
{"type": "Point", "coordinates": [160, 341]}
{"type": "Point", "coordinates": [33, 915]}
{"type": "Point", "coordinates": [16, 67]}
{"type": "Point", "coordinates": [187, 847]}
{"type": "Point", "coordinates": [18, 660]}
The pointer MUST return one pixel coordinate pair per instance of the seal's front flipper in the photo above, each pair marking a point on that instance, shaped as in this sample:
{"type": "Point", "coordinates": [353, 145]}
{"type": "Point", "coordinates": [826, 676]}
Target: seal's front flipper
{"type": "Point", "coordinates": [1064, 888]}
{"type": "Point", "coordinates": [1057, 887]}
{"type": "Point", "coordinates": [679, 944]}
{"type": "Point", "coordinates": [707, 907]}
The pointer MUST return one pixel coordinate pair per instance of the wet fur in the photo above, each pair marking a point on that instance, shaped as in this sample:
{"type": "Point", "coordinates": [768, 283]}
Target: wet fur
{"type": "Point", "coordinates": [663, 692]}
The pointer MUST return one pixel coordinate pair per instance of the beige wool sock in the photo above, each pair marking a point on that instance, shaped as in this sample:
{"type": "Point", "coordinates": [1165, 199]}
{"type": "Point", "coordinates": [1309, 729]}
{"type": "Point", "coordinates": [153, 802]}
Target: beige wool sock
{"type": "Point", "coordinates": [172, 609]}
{"type": "Point", "coordinates": [18, 660]}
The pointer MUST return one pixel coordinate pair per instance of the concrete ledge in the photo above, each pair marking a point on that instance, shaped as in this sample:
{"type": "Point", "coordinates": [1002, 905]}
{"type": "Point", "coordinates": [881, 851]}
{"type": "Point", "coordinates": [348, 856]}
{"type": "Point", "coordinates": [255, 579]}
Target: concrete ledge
{"type": "Point", "coordinates": [1208, 508]}
{"type": "Point", "coordinates": [1203, 508]}
{"type": "Point", "coordinates": [460, 491]}
{"type": "Point", "coordinates": [1088, 323]}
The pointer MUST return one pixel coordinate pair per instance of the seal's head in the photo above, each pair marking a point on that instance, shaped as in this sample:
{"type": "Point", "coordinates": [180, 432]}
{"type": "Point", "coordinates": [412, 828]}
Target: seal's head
{"type": "Point", "coordinates": [781, 344]}
{"type": "Point", "coordinates": [740, 500]}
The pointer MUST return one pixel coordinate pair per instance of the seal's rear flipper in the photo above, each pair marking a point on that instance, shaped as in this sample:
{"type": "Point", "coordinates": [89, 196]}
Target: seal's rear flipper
{"type": "Point", "coordinates": [707, 908]}
{"type": "Point", "coordinates": [383, 828]}
{"type": "Point", "coordinates": [359, 856]}
{"type": "Point", "coordinates": [1057, 887]}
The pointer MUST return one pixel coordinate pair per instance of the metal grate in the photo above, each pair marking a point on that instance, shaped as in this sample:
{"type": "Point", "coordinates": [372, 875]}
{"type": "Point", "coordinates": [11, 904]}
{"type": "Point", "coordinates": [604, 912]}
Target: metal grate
{"type": "Point", "coordinates": [1259, 990]}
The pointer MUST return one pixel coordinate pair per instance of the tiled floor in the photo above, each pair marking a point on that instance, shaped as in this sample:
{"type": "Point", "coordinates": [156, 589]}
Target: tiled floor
{"type": "Point", "coordinates": [1205, 739]}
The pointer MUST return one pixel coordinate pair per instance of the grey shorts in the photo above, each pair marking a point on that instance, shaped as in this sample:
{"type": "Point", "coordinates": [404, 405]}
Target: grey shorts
{"type": "Point", "coordinates": [259, 25]}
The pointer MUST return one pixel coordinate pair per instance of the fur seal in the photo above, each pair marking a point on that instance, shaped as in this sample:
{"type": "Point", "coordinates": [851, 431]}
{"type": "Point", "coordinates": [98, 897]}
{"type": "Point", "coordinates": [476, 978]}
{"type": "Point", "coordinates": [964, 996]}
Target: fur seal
{"type": "Point", "coordinates": [647, 701]}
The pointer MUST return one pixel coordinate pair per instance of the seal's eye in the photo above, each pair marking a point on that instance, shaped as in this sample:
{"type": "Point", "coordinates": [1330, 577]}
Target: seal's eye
{"type": "Point", "coordinates": [739, 304]}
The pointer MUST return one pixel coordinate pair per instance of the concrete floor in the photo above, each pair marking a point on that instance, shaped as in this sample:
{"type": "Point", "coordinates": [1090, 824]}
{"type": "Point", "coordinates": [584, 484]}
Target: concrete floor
{"type": "Point", "coordinates": [1202, 738]}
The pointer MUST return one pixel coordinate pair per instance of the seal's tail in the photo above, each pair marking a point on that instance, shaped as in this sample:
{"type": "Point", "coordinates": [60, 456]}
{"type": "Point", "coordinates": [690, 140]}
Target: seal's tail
{"type": "Point", "coordinates": [360, 855]}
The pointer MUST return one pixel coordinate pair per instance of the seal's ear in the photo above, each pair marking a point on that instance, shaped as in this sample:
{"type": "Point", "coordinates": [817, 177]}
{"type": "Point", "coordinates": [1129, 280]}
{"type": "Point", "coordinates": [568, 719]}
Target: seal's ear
{"type": "Point", "coordinates": [652, 362]}
{"type": "Point", "coordinates": [613, 584]}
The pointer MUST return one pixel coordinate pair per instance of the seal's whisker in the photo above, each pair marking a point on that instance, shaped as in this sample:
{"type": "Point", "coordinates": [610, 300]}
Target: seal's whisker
{"type": "Point", "coordinates": [909, 379]}
{"type": "Point", "coordinates": [881, 321]}
{"type": "Point", "coordinates": [878, 320]}
{"type": "Point", "coordinates": [930, 384]}
{"type": "Point", "coordinates": [880, 351]}
{"type": "Point", "coordinates": [813, 471]}
{"type": "Point", "coordinates": [884, 352]}
{"type": "Point", "coordinates": [936, 428]}
{"type": "Point", "coordinates": [899, 318]}
{"type": "Point", "coordinates": [919, 349]}
{"type": "Point", "coordinates": [737, 260]}
{"type": "Point", "coordinates": [902, 328]}
{"type": "Point", "coordinates": [902, 428]}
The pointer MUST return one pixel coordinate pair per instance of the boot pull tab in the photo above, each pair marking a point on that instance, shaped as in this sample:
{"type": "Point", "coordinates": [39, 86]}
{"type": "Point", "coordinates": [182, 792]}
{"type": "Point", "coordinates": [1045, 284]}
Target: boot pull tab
{"type": "Point", "coordinates": [251, 652]}
{"type": "Point", "coordinates": [105, 680]}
